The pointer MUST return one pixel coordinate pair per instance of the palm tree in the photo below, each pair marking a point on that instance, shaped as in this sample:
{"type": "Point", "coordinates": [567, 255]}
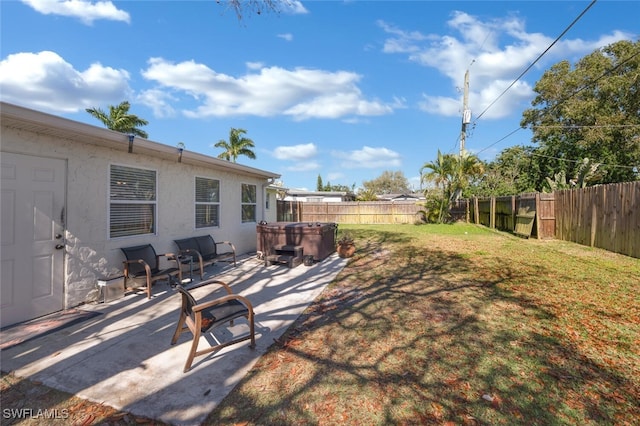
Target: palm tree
{"type": "Point", "coordinates": [440, 172]}
{"type": "Point", "coordinates": [120, 120]}
{"type": "Point", "coordinates": [237, 146]}
{"type": "Point", "coordinates": [451, 174]}
{"type": "Point", "coordinates": [465, 168]}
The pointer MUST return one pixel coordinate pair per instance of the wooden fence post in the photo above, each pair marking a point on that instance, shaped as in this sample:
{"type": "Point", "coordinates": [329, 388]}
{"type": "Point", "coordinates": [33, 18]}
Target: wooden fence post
{"type": "Point", "coordinates": [513, 212]}
{"type": "Point", "coordinates": [492, 212]}
{"type": "Point", "coordinates": [476, 213]}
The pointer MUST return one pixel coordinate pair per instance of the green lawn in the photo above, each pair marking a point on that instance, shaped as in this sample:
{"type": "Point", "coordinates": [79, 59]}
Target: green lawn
{"type": "Point", "coordinates": [456, 324]}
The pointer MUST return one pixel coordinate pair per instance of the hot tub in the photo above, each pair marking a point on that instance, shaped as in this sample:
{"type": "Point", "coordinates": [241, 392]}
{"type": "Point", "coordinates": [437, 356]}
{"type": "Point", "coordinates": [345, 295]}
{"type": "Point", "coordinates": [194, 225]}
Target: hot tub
{"type": "Point", "coordinates": [316, 239]}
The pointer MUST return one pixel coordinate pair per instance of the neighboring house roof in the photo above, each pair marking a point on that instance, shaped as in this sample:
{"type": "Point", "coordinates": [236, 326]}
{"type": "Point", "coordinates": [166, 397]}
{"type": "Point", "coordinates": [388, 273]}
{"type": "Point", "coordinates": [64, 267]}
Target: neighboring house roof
{"type": "Point", "coordinates": [305, 193]}
{"type": "Point", "coordinates": [298, 193]}
{"type": "Point", "coordinates": [391, 197]}
{"type": "Point", "coordinates": [18, 117]}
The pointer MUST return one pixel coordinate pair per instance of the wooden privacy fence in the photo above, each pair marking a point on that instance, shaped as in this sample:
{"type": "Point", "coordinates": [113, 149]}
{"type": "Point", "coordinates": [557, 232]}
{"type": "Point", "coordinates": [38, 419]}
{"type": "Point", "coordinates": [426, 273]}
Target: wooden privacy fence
{"type": "Point", "coordinates": [605, 216]}
{"type": "Point", "coordinates": [350, 212]}
{"type": "Point", "coordinates": [527, 215]}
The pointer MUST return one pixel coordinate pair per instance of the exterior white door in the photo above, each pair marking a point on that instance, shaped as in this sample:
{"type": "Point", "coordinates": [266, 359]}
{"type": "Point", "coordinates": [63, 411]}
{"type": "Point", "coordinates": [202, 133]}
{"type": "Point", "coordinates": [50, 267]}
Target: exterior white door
{"type": "Point", "coordinates": [32, 236]}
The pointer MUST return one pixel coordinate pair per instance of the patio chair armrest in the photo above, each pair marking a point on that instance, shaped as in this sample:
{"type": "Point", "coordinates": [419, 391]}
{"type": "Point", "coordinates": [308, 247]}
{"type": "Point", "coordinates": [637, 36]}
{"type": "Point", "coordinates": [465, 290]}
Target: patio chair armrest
{"type": "Point", "coordinates": [221, 300]}
{"type": "Point", "coordinates": [168, 256]}
{"type": "Point", "coordinates": [126, 263]}
{"type": "Point", "coordinates": [233, 249]}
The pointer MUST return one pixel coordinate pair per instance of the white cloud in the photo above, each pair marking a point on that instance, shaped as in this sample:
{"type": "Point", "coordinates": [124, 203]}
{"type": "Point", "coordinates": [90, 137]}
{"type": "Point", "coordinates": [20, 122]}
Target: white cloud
{"type": "Point", "coordinates": [303, 166]}
{"type": "Point", "coordinates": [336, 105]}
{"type": "Point", "coordinates": [369, 158]}
{"type": "Point", "coordinates": [296, 152]}
{"type": "Point", "coordinates": [301, 93]}
{"type": "Point", "coordinates": [293, 7]}
{"type": "Point", "coordinates": [287, 36]}
{"type": "Point", "coordinates": [475, 45]}
{"type": "Point", "coordinates": [85, 11]}
{"type": "Point", "coordinates": [46, 81]}
{"type": "Point", "coordinates": [440, 105]}
{"type": "Point", "coordinates": [335, 177]}
{"type": "Point", "coordinates": [159, 101]}
{"type": "Point", "coordinates": [254, 65]}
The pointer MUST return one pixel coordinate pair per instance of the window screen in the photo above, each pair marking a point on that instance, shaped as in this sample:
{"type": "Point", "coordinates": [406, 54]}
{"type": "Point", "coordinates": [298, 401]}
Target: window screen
{"type": "Point", "coordinates": [132, 207]}
{"type": "Point", "coordinates": [249, 201]}
{"type": "Point", "coordinates": [207, 202]}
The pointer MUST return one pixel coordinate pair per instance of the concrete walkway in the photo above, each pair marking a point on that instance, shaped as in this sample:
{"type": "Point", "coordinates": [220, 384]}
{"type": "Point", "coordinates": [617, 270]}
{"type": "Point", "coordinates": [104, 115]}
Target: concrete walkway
{"type": "Point", "coordinates": [124, 359]}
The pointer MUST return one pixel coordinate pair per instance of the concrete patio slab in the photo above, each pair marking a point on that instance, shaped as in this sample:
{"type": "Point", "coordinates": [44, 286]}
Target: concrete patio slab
{"type": "Point", "coordinates": [123, 358]}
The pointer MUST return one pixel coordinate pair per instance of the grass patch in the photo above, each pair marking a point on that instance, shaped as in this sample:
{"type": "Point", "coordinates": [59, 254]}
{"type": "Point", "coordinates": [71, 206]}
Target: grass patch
{"type": "Point", "coordinates": [456, 323]}
{"type": "Point", "coordinates": [436, 324]}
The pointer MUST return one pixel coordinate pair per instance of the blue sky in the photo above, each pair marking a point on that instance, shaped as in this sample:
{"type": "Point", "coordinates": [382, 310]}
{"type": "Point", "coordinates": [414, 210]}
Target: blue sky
{"type": "Point", "coordinates": [341, 89]}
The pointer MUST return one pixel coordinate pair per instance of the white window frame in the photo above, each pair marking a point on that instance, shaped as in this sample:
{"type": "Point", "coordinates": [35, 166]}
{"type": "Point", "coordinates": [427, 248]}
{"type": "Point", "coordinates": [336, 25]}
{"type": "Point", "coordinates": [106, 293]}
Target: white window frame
{"type": "Point", "coordinates": [247, 203]}
{"type": "Point", "coordinates": [132, 196]}
{"type": "Point", "coordinates": [202, 202]}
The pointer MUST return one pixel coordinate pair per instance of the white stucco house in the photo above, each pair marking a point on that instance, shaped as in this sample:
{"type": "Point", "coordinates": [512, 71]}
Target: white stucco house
{"type": "Point", "coordinates": [318, 196]}
{"type": "Point", "coordinates": [74, 194]}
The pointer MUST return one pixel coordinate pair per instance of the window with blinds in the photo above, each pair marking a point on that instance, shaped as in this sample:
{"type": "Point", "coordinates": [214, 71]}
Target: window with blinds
{"type": "Point", "coordinates": [132, 201]}
{"type": "Point", "coordinates": [249, 201]}
{"type": "Point", "coordinates": [207, 202]}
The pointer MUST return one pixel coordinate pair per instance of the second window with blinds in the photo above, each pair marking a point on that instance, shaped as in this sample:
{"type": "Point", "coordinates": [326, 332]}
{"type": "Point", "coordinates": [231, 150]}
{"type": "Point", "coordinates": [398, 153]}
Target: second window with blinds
{"type": "Point", "coordinates": [207, 202]}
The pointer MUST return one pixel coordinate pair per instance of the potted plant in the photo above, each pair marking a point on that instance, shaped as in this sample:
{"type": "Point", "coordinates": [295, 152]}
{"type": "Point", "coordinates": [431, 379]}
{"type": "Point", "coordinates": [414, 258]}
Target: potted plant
{"type": "Point", "coordinates": [345, 245]}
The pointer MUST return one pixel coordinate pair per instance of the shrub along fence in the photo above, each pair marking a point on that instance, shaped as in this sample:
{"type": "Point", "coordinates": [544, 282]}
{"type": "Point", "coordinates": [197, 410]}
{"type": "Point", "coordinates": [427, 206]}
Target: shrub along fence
{"type": "Point", "coordinates": [604, 216]}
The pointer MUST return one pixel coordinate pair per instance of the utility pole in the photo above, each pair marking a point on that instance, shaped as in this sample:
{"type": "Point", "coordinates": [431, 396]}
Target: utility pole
{"type": "Point", "coordinates": [466, 112]}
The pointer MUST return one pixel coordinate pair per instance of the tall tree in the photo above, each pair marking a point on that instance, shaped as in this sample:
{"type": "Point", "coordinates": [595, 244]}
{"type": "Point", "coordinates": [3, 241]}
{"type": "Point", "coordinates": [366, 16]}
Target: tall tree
{"type": "Point", "coordinates": [589, 111]}
{"type": "Point", "coordinates": [388, 183]}
{"type": "Point", "coordinates": [465, 168]}
{"type": "Point", "coordinates": [256, 6]}
{"type": "Point", "coordinates": [439, 172]}
{"type": "Point", "coordinates": [452, 175]}
{"type": "Point", "coordinates": [120, 120]}
{"type": "Point", "coordinates": [236, 146]}
{"type": "Point", "coordinates": [319, 186]}
{"type": "Point", "coordinates": [511, 172]}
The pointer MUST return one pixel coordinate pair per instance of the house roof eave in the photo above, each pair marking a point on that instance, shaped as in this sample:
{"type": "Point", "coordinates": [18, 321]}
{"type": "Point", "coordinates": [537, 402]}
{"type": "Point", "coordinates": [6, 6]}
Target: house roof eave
{"type": "Point", "coordinates": [21, 118]}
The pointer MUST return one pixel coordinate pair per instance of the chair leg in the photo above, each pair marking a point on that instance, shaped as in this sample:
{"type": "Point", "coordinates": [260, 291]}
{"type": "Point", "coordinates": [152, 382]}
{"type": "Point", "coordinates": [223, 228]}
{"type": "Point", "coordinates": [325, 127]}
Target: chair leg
{"type": "Point", "coordinates": [179, 329]}
{"type": "Point", "coordinates": [192, 352]}
{"type": "Point", "coordinates": [148, 287]}
{"type": "Point", "coordinates": [252, 330]}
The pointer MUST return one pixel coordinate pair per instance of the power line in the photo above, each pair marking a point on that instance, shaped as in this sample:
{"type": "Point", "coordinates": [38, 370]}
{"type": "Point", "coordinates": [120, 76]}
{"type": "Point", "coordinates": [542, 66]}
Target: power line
{"type": "Point", "coordinates": [500, 140]}
{"type": "Point", "coordinates": [576, 126]}
{"type": "Point", "coordinates": [588, 84]}
{"type": "Point", "coordinates": [537, 59]}
{"type": "Point", "coordinates": [595, 80]}
{"type": "Point", "coordinates": [580, 161]}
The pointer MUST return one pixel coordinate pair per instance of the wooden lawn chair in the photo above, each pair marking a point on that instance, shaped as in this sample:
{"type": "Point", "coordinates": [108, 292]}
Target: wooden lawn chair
{"type": "Point", "coordinates": [202, 317]}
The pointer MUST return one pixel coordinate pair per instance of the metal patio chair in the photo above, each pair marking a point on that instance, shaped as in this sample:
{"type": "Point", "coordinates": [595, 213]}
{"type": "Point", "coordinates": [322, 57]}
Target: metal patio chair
{"type": "Point", "coordinates": [143, 266]}
{"type": "Point", "coordinates": [204, 250]}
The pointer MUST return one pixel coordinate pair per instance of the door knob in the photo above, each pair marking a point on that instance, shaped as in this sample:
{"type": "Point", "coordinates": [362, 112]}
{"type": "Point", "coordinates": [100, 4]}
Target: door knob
{"type": "Point", "coordinates": [58, 236]}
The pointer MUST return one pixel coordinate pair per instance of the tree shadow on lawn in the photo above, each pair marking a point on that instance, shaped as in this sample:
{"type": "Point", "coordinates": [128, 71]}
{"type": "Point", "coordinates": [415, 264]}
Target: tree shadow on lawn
{"type": "Point", "coordinates": [421, 336]}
